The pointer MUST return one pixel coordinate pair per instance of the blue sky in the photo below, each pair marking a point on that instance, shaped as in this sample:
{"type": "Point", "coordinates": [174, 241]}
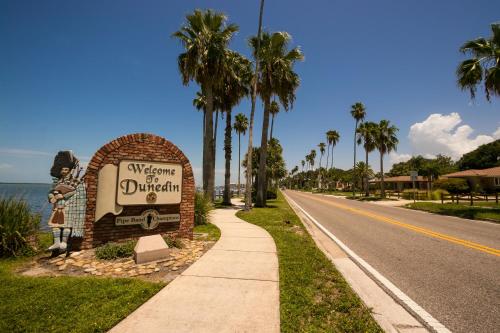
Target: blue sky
{"type": "Point", "coordinates": [74, 75]}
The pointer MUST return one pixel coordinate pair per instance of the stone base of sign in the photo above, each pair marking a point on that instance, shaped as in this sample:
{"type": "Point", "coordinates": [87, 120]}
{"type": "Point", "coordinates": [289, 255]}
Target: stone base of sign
{"type": "Point", "coordinates": [150, 248]}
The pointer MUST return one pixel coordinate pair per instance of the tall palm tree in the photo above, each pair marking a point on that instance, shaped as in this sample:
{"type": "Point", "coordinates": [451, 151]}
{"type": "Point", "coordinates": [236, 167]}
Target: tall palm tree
{"type": "Point", "coordinates": [205, 36]}
{"type": "Point", "coordinates": [274, 109]}
{"type": "Point", "coordinates": [484, 64]}
{"type": "Point", "coordinates": [312, 157]}
{"type": "Point", "coordinates": [276, 78]}
{"type": "Point", "coordinates": [303, 163]}
{"type": "Point", "coordinates": [366, 136]}
{"type": "Point", "coordinates": [332, 137]}
{"type": "Point", "coordinates": [237, 78]}
{"type": "Point", "coordinates": [248, 187]}
{"type": "Point", "coordinates": [321, 147]}
{"type": "Point", "coordinates": [385, 141]}
{"type": "Point", "coordinates": [358, 112]}
{"type": "Point", "coordinates": [293, 172]}
{"type": "Point", "coordinates": [240, 126]}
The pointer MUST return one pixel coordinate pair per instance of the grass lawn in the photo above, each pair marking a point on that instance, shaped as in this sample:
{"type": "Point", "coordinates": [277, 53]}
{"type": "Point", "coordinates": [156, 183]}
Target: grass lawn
{"type": "Point", "coordinates": [211, 230]}
{"type": "Point", "coordinates": [491, 213]}
{"type": "Point", "coordinates": [66, 304]}
{"type": "Point", "coordinates": [314, 297]}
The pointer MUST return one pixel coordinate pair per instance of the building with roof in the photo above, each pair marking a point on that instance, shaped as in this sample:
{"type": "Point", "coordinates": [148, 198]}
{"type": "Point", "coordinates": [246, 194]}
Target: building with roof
{"type": "Point", "coordinates": [400, 183]}
{"type": "Point", "coordinates": [484, 179]}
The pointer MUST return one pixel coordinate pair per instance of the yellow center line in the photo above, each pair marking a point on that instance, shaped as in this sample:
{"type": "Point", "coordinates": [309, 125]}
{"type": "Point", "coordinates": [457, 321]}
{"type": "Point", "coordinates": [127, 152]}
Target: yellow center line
{"type": "Point", "coordinates": [421, 230]}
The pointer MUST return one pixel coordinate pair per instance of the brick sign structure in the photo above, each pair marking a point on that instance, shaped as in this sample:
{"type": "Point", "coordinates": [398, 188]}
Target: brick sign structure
{"type": "Point", "coordinates": [138, 185]}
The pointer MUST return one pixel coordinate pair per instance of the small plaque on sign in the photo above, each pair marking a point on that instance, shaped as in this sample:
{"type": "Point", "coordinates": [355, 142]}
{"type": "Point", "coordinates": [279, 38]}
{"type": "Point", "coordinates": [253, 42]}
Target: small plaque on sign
{"type": "Point", "coordinates": [149, 219]}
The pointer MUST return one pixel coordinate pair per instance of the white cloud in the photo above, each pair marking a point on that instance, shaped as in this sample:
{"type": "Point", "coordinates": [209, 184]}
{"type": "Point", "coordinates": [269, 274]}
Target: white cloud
{"type": "Point", "coordinates": [23, 152]}
{"type": "Point", "coordinates": [443, 134]}
{"type": "Point", "coordinates": [496, 134]}
{"type": "Point", "coordinates": [396, 158]}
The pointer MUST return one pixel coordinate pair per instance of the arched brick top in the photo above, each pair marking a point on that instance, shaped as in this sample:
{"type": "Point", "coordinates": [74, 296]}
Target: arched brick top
{"type": "Point", "coordinates": [140, 147]}
{"type": "Point", "coordinates": [100, 156]}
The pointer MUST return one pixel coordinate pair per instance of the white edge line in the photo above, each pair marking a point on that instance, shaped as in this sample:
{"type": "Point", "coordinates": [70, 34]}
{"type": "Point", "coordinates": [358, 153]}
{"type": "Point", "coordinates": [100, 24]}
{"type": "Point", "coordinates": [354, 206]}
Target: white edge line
{"type": "Point", "coordinates": [418, 312]}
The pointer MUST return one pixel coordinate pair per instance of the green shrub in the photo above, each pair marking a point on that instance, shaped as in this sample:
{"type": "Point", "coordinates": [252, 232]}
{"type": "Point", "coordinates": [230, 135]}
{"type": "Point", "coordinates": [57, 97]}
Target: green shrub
{"type": "Point", "coordinates": [453, 185]}
{"type": "Point", "coordinates": [271, 195]}
{"type": "Point", "coordinates": [173, 242]}
{"type": "Point", "coordinates": [115, 250]}
{"type": "Point", "coordinates": [436, 194]}
{"type": "Point", "coordinates": [202, 208]}
{"type": "Point", "coordinates": [17, 226]}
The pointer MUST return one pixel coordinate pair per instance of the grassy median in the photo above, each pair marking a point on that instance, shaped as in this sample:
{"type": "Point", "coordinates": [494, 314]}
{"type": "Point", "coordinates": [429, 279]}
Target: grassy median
{"type": "Point", "coordinates": [483, 212]}
{"type": "Point", "coordinates": [314, 297]}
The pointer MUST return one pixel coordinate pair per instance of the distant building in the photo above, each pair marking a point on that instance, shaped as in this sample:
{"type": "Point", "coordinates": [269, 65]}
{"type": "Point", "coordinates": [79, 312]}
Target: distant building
{"type": "Point", "coordinates": [486, 179]}
{"type": "Point", "coordinates": [400, 183]}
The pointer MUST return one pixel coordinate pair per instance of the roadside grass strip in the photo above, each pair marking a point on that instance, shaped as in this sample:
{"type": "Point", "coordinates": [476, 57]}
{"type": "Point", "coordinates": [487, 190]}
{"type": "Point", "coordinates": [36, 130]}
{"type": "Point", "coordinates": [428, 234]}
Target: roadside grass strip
{"type": "Point", "coordinates": [488, 211]}
{"type": "Point", "coordinates": [66, 304]}
{"type": "Point", "coordinates": [314, 297]}
{"type": "Point", "coordinates": [427, 232]}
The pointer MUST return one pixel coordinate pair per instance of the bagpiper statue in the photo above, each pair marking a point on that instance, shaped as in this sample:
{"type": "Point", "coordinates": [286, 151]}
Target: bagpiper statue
{"type": "Point", "coordinates": [68, 197]}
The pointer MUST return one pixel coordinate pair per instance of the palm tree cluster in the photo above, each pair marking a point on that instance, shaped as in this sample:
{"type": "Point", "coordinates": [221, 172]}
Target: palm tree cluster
{"type": "Point", "coordinates": [380, 136]}
{"type": "Point", "coordinates": [372, 136]}
{"type": "Point", "coordinates": [225, 77]}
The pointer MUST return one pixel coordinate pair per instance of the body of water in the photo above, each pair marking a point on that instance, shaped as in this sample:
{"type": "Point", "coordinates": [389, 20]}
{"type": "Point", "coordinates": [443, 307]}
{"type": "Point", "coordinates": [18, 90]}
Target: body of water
{"type": "Point", "coordinates": [34, 194]}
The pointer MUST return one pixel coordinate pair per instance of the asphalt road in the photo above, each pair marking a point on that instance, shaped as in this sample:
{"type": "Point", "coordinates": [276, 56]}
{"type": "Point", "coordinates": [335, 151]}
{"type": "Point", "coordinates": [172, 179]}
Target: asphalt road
{"type": "Point", "coordinates": [449, 266]}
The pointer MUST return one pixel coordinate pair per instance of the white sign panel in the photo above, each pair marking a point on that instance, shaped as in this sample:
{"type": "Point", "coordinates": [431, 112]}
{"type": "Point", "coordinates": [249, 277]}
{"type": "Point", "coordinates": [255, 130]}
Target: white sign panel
{"type": "Point", "coordinates": [148, 183]}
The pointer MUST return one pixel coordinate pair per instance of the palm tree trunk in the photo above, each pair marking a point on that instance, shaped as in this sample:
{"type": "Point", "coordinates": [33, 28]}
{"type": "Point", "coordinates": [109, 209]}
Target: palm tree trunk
{"type": "Point", "coordinates": [248, 189]}
{"type": "Point", "coordinates": [208, 164]}
{"type": "Point", "coordinates": [205, 152]}
{"type": "Point", "coordinates": [354, 165]}
{"type": "Point", "coordinates": [327, 157]}
{"type": "Point", "coordinates": [239, 162]}
{"type": "Point", "coordinates": [214, 148]}
{"type": "Point", "coordinates": [319, 172]}
{"type": "Point", "coordinates": [261, 184]}
{"type": "Point", "coordinates": [382, 187]}
{"type": "Point", "coordinates": [331, 161]}
{"type": "Point", "coordinates": [367, 189]}
{"type": "Point", "coordinates": [227, 149]}
{"type": "Point", "coordinates": [272, 125]}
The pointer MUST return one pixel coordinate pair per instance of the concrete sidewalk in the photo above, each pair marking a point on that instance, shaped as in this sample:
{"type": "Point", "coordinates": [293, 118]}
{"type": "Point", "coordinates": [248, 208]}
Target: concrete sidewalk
{"type": "Point", "coordinates": [232, 288]}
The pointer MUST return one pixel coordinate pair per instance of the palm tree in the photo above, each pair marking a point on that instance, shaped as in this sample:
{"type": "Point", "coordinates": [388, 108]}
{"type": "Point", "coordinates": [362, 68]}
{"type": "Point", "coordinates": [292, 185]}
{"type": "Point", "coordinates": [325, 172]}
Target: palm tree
{"type": "Point", "coordinates": [358, 112]}
{"type": "Point", "coordinates": [248, 187]}
{"type": "Point", "coordinates": [205, 36]}
{"type": "Point", "coordinates": [484, 64]}
{"type": "Point", "coordinates": [332, 137]}
{"type": "Point", "coordinates": [274, 109]}
{"type": "Point", "coordinates": [293, 172]}
{"type": "Point", "coordinates": [366, 135]}
{"type": "Point", "coordinates": [237, 77]}
{"type": "Point", "coordinates": [321, 147]}
{"type": "Point", "coordinates": [385, 141]}
{"type": "Point", "coordinates": [302, 163]}
{"type": "Point", "coordinates": [276, 78]}
{"type": "Point", "coordinates": [363, 170]}
{"type": "Point", "coordinates": [240, 126]}
{"type": "Point", "coordinates": [312, 158]}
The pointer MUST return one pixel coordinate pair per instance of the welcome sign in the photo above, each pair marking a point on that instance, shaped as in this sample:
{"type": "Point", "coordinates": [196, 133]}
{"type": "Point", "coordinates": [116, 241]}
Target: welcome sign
{"type": "Point", "coordinates": [148, 183]}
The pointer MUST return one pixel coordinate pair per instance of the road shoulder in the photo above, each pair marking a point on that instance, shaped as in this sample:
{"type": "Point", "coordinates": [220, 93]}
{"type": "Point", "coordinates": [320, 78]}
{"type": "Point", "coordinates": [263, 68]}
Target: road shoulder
{"type": "Point", "coordinates": [390, 315]}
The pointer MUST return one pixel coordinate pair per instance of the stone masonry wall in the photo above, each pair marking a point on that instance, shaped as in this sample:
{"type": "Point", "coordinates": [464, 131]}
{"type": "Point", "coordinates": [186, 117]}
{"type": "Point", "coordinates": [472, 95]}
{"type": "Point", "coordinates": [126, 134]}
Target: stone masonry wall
{"type": "Point", "coordinates": [140, 147]}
